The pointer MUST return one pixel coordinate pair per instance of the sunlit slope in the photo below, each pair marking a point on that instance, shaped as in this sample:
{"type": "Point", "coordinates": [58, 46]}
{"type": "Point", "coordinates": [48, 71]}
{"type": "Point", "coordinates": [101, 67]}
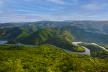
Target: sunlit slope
{"type": "Point", "coordinates": [47, 58]}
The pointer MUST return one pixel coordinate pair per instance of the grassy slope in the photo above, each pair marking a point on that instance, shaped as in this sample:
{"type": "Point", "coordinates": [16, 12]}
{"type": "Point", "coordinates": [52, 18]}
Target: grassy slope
{"type": "Point", "coordinates": [47, 58]}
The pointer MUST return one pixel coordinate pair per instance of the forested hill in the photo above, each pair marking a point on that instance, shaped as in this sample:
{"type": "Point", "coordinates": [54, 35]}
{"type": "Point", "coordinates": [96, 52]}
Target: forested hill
{"type": "Point", "coordinates": [47, 58]}
{"type": "Point", "coordinates": [87, 31]}
{"type": "Point", "coordinates": [50, 46]}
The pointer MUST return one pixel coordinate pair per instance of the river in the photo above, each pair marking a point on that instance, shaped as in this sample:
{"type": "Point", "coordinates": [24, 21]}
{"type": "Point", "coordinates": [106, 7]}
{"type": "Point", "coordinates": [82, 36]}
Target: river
{"type": "Point", "coordinates": [3, 41]}
{"type": "Point", "coordinates": [86, 52]}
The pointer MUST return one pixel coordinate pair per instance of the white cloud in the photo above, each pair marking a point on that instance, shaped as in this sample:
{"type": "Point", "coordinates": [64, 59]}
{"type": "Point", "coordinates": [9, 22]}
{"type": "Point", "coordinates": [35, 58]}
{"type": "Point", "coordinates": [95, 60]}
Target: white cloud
{"type": "Point", "coordinates": [28, 0]}
{"type": "Point", "coordinates": [1, 3]}
{"type": "Point", "coordinates": [39, 17]}
{"type": "Point", "coordinates": [57, 1]}
{"type": "Point", "coordinates": [24, 11]}
{"type": "Point", "coordinates": [19, 18]}
{"type": "Point", "coordinates": [94, 6]}
{"type": "Point", "coordinates": [1, 6]}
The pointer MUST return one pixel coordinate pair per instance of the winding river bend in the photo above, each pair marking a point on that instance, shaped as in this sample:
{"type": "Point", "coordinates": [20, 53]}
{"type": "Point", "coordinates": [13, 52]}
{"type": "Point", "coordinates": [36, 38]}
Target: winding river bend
{"type": "Point", "coordinates": [100, 46]}
{"type": "Point", "coordinates": [86, 52]}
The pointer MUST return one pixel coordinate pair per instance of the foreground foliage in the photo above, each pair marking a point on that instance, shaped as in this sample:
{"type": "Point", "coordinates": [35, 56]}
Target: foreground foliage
{"type": "Point", "coordinates": [47, 58]}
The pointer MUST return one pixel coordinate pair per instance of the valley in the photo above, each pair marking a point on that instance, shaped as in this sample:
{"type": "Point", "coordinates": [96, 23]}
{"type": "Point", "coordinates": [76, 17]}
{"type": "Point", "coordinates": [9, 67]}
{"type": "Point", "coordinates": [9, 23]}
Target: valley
{"type": "Point", "coordinates": [51, 46]}
{"type": "Point", "coordinates": [85, 31]}
{"type": "Point", "coordinates": [53, 35]}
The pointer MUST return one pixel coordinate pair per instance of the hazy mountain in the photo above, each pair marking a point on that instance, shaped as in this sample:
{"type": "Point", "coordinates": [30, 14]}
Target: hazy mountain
{"type": "Point", "coordinates": [88, 31]}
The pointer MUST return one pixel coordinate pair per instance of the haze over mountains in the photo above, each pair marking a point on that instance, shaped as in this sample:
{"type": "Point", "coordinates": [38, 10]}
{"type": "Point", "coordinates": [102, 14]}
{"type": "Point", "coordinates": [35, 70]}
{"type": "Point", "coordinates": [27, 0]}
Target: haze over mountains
{"type": "Point", "coordinates": [54, 46]}
{"type": "Point", "coordinates": [86, 31]}
{"type": "Point", "coordinates": [53, 35]}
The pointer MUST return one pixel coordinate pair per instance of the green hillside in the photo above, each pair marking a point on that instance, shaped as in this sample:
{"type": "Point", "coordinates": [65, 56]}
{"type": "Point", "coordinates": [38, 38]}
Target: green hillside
{"type": "Point", "coordinates": [47, 58]}
{"type": "Point", "coordinates": [49, 49]}
{"type": "Point", "coordinates": [86, 31]}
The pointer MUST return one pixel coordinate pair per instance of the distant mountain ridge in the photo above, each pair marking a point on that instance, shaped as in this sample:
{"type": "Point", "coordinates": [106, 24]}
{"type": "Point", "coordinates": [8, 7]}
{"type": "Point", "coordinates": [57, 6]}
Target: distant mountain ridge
{"type": "Point", "coordinates": [88, 31]}
{"type": "Point", "coordinates": [87, 25]}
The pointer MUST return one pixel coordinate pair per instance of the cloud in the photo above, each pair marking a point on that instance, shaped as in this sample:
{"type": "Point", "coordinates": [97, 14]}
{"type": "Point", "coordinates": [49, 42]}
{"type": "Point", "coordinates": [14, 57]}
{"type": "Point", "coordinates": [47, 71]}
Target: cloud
{"type": "Point", "coordinates": [62, 2]}
{"type": "Point", "coordinates": [1, 6]}
{"type": "Point", "coordinates": [1, 3]}
{"type": "Point", "coordinates": [57, 1]}
{"type": "Point", "coordinates": [19, 18]}
{"type": "Point", "coordinates": [33, 10]}
{"type": "Point", "coordinates": [94, 6]}
{"type": "Point", "coordinates": [39, 17]}
{"type": "Point", "coordinates": [28, 17]}
{"type": "Point", "coordinates": [25, 11]}
{"type": "Point", "coordinates": [28, 0]}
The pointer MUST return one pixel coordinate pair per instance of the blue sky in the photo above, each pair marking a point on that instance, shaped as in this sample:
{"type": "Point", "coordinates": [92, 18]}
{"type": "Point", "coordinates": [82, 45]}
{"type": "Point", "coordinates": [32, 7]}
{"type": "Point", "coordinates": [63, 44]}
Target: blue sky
{"type": "Point", "coordinates": [34, 10]}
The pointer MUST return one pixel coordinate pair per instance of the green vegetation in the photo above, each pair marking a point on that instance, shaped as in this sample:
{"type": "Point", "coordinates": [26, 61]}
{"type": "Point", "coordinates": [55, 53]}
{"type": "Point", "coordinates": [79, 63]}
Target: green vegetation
{"type": "Point", "coordinates": [86, 31]}
{"type": "Point", "coordinates": [96, 51]}
{"type": "Point", "coordinates": [78, 48]}
{"type": "Point", "coordinates": [47, 58]}
{"type": "Point", "coordinates": [38, 37]}
{"type": "Point", "coordinates": [62, 39]}
{"type": "Point", "coordinates": [48, 49]}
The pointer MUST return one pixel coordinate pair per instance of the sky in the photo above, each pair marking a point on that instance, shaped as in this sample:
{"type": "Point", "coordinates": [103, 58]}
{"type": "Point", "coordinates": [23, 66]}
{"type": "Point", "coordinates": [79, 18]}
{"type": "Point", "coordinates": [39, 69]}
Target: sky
{"type": "Point", "coordinates": [52, 10]}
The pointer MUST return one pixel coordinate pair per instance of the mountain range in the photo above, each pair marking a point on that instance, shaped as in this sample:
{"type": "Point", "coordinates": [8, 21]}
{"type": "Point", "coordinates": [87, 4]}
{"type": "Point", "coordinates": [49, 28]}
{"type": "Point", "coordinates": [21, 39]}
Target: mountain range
{"type": "Point", "coordinates": [86, 31]}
